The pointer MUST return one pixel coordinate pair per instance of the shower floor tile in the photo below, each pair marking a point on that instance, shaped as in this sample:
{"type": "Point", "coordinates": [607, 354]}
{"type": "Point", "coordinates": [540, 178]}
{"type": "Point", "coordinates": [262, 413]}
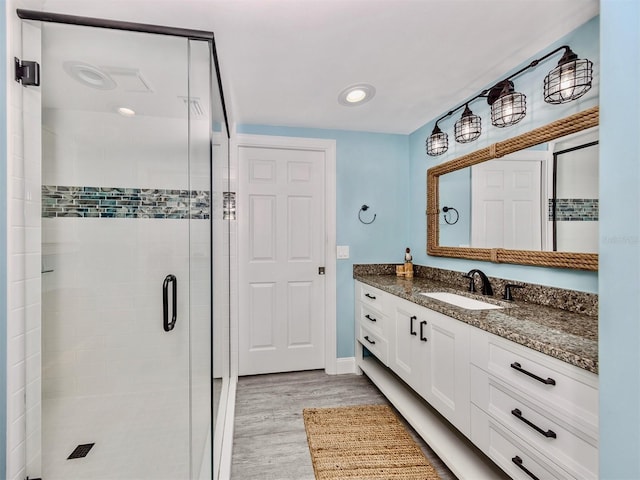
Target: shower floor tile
{"type": "Point", "coordinates": [137, 436]}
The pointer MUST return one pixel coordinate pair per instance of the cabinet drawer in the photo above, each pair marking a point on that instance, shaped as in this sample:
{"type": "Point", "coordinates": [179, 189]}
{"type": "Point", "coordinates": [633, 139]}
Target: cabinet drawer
{"type": "Point", "coordinates": [374, 342]}
{"type": "Point", "coordinates": [564, 388]}
{"type": "Point", "coordinates": [513, 456]}
{"type": "Point", "coordinates": [371, 319]}
{"type": "Point", "coordinates": [370, 296]}
{"type": "Point", "coordinates": [557, 439]}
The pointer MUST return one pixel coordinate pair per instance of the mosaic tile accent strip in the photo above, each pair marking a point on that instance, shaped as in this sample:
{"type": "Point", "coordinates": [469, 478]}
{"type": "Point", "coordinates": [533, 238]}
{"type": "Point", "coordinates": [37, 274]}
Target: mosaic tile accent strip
{"type": "Point", "coordinates": [575, 209]}
{"type": "Point", "coordinates": [114, 202]}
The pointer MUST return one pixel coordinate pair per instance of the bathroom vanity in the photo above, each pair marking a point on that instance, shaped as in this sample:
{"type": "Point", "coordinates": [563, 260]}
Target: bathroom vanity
{"type": "Point", "coordinates": [516, 381]}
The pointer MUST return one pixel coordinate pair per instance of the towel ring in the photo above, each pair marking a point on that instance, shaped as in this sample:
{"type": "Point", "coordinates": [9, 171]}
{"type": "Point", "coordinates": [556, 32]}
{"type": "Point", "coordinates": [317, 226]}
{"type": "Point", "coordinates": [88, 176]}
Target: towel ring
{"type": "Point", "coordinates": [364, 208]}
{"type": "Point", "coordinates": [447, 218]}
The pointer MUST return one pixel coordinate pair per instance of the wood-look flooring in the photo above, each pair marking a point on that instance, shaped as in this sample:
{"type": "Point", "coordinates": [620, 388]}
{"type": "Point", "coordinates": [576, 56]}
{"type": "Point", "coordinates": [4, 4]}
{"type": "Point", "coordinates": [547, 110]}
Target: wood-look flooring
{"type": "Point", "coordinates": [270, 442]}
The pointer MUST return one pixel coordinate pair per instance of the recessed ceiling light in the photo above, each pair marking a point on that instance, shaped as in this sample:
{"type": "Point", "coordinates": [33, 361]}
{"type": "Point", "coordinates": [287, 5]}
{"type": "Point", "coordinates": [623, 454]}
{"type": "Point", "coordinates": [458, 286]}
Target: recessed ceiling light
{"type": "Point", "coordinates": [356, 94]}
{"type": "Point", "coordinates": [126, 112]}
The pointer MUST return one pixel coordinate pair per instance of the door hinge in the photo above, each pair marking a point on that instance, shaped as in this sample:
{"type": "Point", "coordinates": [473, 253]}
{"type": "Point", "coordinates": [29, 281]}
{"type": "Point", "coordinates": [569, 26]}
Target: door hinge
{"type": "Point", "coordinates": [320, 270]}
{"type": "Point", "coordinates": [27, 73]}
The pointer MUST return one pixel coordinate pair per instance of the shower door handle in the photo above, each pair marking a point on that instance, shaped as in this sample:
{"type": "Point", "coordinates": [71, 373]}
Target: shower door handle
{"type": "Point", "coordinates": [168, 325]}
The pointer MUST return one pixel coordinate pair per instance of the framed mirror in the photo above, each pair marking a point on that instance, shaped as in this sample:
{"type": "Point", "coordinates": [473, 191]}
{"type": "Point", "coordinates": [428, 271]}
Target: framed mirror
{"type": "Point", "coordinates": [464, 221]}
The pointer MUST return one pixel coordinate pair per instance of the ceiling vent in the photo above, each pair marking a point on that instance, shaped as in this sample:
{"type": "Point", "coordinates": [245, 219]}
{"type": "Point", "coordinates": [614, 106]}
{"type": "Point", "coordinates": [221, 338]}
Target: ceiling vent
{"type": "Point", "coordinates": [194, 106]}
{"type": "Point", "coordinates": [129, 79]}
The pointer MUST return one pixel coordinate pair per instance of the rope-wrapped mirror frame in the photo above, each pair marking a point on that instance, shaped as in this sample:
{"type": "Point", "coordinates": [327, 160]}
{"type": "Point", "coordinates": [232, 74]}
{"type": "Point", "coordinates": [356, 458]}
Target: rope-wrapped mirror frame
{"type": "Point", "coordinates": [565, 126]}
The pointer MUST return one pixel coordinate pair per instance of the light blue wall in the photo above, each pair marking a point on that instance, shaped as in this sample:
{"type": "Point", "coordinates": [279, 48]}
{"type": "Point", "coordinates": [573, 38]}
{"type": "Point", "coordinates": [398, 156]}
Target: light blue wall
{"type": "Point", "coordinates": [584, 42]}
{"type": "Point", "coordinates": [371, 169]}
{"type": "Point", "coordinates": [3, 237]}
{"type": "Point", "coordinates": [619, 322]}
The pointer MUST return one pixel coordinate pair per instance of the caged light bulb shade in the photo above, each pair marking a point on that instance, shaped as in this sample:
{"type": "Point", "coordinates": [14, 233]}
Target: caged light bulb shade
{"type": "Point", "coordinates": [437, 143]}
{"type": "Point", "coordinates": [570, 80]}
{"type": "Point", "coordinates": [468, 128]}
{"type": "Point", "coordinates": [508, 109]}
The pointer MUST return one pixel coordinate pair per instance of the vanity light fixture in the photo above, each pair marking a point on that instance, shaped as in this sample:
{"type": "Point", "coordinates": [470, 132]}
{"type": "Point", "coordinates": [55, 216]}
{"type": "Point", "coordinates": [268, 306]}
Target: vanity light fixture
{"type": "Point", "coordinates": [469, 127]}
{"type": "Point", "coordinates": [438, 142]}
{"type": "Point", "coordinates": [568, 81]}
{"type": "Point", "coordinates": [356, 94]}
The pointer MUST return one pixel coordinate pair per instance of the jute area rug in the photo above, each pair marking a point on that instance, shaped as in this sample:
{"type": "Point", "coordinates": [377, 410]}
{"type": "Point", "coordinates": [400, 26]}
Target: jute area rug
{"type": "Point", "coordinates": [363, 443]}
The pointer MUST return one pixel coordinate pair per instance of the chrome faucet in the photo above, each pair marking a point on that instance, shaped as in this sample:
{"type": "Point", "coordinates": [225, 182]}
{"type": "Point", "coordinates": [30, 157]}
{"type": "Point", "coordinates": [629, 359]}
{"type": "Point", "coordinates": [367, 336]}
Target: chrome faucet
{"type": "Point", "coordinates": [486, 284]}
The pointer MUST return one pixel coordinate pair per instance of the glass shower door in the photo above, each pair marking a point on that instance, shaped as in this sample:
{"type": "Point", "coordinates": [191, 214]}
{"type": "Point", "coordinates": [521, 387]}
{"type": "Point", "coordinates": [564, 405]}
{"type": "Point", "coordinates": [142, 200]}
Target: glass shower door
{"type": "Point", "coordinates": [126, 255]}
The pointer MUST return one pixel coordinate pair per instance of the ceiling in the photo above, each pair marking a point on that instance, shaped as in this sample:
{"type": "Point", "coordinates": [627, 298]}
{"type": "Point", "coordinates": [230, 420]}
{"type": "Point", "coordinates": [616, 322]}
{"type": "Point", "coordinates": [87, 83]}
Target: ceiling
{"type": "Point", "coordinates": [284, 62]}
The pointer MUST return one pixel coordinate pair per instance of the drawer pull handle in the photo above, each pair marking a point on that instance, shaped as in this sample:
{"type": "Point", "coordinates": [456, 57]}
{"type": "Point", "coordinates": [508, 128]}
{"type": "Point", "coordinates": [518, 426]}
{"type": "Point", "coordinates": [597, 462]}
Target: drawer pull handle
{"type": "Point", "coordinates": [546, 381]}
{"type": "Point", "coordinates": [518, 461]}
{"type": "Point", "coordinates": [370, 318]}
{"type": "Point", "coordinates": [518, 414]}
{"type": "Point", "coordinates": [411, 330]}
{"type": "Point", "coordinates": [369, 296]}
{"type": "Point", "coordinates": [422, 337]}
{"type": "Point", "coordinates": [372, 342]}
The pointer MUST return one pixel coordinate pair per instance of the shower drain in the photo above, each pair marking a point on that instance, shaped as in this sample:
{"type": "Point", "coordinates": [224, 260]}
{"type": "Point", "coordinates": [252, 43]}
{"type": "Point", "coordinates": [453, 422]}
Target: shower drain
{"type": "Point", "coordinates": [81, 451]}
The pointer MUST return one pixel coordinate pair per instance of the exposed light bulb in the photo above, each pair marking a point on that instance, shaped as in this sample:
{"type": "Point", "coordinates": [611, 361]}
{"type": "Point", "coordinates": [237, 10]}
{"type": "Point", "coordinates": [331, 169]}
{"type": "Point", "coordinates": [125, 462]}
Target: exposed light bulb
{"type": "Point", "coordinates": [507, 109]}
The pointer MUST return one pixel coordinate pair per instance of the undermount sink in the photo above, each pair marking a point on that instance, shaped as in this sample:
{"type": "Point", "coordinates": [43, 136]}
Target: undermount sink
{"type": "Point", "coordinates": [461, 301]}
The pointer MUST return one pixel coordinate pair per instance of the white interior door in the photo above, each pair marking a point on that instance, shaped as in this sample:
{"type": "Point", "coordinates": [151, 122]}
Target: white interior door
{"type": "Point", "coordinates": [281, 249]}
{"type": "Point", "coordinates": [506, 205]}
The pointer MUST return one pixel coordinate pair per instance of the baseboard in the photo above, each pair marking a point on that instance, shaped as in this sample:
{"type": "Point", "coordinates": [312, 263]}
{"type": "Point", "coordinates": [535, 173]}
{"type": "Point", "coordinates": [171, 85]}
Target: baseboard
{"type": "Point", "coordinates": [346, 365]}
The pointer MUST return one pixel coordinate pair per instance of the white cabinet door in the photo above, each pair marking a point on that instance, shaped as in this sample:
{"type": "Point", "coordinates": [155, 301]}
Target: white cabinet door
{"type": "Point", "coordinates": [430, 352]}
{"type": "Point", "coordinates": [409, 344]}
{"type": "Point", "coordinates": [448, 365]}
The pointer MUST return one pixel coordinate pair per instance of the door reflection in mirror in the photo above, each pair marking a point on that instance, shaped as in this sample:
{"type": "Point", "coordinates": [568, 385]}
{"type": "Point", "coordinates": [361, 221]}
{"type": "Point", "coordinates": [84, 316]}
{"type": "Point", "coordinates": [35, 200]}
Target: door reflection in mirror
{"type": "Point", "coordinates": [544, 198]}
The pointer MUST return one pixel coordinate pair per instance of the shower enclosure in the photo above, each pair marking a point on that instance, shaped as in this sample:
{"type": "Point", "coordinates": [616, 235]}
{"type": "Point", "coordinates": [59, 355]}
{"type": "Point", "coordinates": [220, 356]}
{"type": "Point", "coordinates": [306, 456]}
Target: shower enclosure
{"type": "Point", "coordinates": [134, 253]}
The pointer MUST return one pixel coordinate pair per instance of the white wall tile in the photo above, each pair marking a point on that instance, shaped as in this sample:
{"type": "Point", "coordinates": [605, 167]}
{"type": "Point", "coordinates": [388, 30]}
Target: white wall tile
{"type": "Point", "coordinates": [16, 459]}
{"type": "Point", "coordinates": [15, 351]}
{"type": "Point", "coordinates": [15, 327]}
{"type": "Point", "coordinates": [17, 265]}
{"type": "Point", "coordinates": [17, 406]}
{"type": "Point", "coordinates": [24, 289]}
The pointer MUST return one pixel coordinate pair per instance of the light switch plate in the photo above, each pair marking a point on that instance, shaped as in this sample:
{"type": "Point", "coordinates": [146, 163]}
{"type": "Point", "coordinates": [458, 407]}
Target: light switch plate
{"type": "Point", "coordinates": [342, 252]}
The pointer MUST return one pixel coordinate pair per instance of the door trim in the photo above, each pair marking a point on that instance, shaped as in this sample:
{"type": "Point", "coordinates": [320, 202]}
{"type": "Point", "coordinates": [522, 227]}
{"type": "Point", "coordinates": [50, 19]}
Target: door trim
{"type": "Point", "coordinates": [328, 146]}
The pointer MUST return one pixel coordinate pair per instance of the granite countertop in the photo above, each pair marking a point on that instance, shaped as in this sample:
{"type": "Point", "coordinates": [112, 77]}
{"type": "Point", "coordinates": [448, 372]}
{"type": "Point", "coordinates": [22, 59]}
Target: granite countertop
{"type": "Point", "coordinates": [570, 337]}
